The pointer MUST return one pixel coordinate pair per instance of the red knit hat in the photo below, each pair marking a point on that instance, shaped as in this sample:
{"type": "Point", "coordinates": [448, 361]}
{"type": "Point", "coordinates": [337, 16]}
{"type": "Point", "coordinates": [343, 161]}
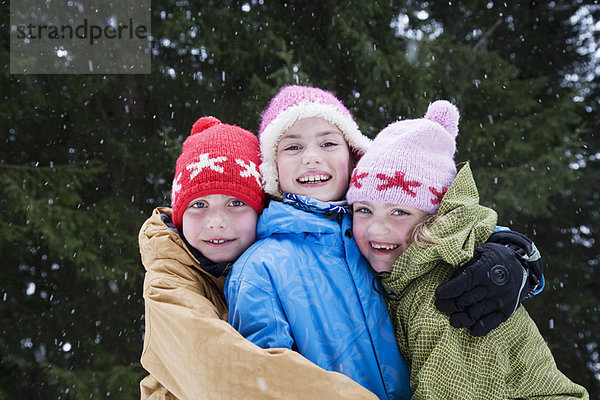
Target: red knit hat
{"type": "Point", "coordinates": [217, 159]}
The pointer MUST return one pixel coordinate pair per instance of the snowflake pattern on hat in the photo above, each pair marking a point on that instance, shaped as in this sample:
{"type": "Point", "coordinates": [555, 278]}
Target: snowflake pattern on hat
{"type": "Point", "coordinates": [249, 169]}
{"type": "Point", "coordinates": [204, 161]}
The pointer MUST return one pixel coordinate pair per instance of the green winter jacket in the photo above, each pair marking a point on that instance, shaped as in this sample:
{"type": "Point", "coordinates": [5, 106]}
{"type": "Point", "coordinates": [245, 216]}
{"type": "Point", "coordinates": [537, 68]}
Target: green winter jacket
{"type": "Point", "coordinates": [511, 362]}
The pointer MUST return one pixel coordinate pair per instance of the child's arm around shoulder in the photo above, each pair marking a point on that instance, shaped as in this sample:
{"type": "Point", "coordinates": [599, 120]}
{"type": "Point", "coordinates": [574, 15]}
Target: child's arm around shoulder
{"type": "Point", "coordinates": [512, 361]}
{"type": "Point", "coordinates": [487, 290]}
{"type": "Point", "coordinates": [194, 354]}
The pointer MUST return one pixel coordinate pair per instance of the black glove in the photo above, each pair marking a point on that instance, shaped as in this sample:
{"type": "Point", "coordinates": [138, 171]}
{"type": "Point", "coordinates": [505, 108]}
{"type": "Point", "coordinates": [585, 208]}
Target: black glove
{"type": "Point", "coordinates": [525, 248]}
{"type": "Point", "coordinates": [488, 289]}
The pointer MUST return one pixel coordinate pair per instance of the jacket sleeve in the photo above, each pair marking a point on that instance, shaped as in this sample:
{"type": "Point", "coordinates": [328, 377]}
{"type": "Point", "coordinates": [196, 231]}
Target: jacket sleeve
{"type": "Point", "coordinates": [194, 354]}
{"type": "Point", "coordinates": [511, 362]}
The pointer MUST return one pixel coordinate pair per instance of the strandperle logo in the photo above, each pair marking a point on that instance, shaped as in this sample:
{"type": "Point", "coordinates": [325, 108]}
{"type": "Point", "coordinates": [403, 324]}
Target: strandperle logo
{"type": "Point", "coordinates": [76, 37]}
{"type": "Point", "coordinates": [84, 31]}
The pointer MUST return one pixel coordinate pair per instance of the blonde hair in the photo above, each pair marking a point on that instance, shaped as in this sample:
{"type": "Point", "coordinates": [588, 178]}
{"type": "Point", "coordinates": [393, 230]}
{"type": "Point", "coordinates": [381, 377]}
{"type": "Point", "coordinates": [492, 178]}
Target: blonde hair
{"type": "Point", "coordinates": [421, 234]}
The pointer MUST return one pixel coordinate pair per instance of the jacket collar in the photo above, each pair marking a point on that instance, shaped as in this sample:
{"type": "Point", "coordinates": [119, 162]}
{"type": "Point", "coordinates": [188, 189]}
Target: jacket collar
{"type": "Point", "coordinates": [316, 206]}
{"type": "Point", "coordinates": [300, 214]}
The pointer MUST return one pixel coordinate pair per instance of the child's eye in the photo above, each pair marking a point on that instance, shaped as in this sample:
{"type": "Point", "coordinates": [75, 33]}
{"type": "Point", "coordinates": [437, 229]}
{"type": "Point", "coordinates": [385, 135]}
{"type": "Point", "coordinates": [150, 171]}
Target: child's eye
{"type": "Point", "coordinates": [291, 148]}
{"type": "Point", "coordinates": [330, 144]}
{"type": "Point", "coordinates": [399, 212]}
{"type": "Point", "coordinates": [198, 204]}
{"type": "Point", "coordinates": [237, 203]}
{"type": "Point", "coordinates": [362, 210]}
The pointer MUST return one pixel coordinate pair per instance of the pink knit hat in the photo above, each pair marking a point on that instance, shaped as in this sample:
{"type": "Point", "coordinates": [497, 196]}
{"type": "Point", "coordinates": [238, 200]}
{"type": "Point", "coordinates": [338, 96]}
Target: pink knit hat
{"type": "Point", "coordinates": [216, 159]}
{"type": "Point", "coordinates": [291, 104]}
{"type": "Point", "coordinates": [411, 162]}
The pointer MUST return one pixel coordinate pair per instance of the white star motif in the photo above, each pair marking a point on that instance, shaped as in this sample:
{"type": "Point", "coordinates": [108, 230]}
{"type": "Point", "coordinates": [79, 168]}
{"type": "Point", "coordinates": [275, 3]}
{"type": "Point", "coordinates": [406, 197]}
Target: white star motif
{"type": "Point", "coordinates": [205, 161]}
{"type": "Point", "coordinates": [176, 187]}
{"type": "Point", "coordinates": [249, 170]}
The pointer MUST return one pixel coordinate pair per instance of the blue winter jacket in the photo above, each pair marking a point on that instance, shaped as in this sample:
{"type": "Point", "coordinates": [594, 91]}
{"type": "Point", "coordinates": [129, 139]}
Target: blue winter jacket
{"type": "Point", "coordinates": [305, 286]}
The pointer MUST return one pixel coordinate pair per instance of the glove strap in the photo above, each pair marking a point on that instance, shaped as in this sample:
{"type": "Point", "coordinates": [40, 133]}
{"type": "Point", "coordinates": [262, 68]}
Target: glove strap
{"type": "Point", "coordinates": [536, 275]}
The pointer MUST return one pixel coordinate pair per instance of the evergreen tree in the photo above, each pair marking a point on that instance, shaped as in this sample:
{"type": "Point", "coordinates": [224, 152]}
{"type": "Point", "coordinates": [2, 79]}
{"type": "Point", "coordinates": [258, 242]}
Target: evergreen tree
{"type": "Point", "coordinates": [535, 175]}
{"type": "Point", "coordinates": [85, 158]}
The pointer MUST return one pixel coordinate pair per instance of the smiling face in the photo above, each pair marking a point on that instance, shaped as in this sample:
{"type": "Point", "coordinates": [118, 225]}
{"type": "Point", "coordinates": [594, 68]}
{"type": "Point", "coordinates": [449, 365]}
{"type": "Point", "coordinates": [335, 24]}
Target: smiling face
{"type": "Point", "coordinates": [382, 231]}
{"type": "Point", "coordinates": [313, 159]}
{"type": "Point", "coordinates": [220, 227]}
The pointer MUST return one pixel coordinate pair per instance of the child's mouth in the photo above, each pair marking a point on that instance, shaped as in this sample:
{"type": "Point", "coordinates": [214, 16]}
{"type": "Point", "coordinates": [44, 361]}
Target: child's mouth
{"type": "Point", "coordinates": [218, 242]}
{"type": "Point", "coordinates": [384, 247]}
{"type": "Point", "coordinates": [312, 179]}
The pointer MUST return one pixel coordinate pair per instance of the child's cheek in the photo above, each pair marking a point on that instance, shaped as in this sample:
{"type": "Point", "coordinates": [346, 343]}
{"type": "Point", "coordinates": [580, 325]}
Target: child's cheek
{"type": "Point", "coordinates": [358, 231]}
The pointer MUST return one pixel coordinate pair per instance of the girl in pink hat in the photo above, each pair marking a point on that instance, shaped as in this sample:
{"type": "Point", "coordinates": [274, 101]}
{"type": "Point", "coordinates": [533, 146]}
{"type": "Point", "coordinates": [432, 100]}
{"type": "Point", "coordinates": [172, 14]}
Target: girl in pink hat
{"type": "Point", "coordinates": [304, 285]}
{"type": "Point", "coordinates": [416, 220]}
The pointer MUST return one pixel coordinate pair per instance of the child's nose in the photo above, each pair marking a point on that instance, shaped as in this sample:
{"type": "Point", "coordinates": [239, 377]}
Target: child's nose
{"type": "Point", "coordinates": [311, 155]}
{"type": "Point", "coordinates": [378, 227]}
{"type": "Point", "coordinates": [216, 221]}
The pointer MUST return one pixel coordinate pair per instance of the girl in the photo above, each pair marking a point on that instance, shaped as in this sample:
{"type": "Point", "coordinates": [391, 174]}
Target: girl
{"type": "Point", "coordinates": [304, 285]}
{"type": "Point", "coordinates": [416, 219]}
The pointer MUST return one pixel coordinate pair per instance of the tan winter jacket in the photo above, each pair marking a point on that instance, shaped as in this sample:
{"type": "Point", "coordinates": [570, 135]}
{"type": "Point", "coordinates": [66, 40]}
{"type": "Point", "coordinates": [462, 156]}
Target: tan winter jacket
{"type": "Point", "coordinates": [190, 350]}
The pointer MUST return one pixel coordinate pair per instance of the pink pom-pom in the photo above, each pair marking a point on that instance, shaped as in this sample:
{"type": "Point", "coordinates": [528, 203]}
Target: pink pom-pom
{"type": "Point", "coordinates": [203, 124]}
{"type": "Point", "coordinates": [444, 113]}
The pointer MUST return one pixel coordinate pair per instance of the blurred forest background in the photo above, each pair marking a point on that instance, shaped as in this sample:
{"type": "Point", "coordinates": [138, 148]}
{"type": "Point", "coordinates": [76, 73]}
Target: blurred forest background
{"type": "Point", "coordinates": [85, 158]}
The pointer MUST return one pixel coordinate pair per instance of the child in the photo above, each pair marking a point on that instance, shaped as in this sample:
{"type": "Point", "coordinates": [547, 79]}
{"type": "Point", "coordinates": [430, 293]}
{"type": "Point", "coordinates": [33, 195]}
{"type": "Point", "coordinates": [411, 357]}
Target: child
{"type": "Point", "coordinates": [190, 350]}
{"type": "Point", "coordinates": [303, 285]}
{"type": "Point", "coordinates": [415, 216]}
